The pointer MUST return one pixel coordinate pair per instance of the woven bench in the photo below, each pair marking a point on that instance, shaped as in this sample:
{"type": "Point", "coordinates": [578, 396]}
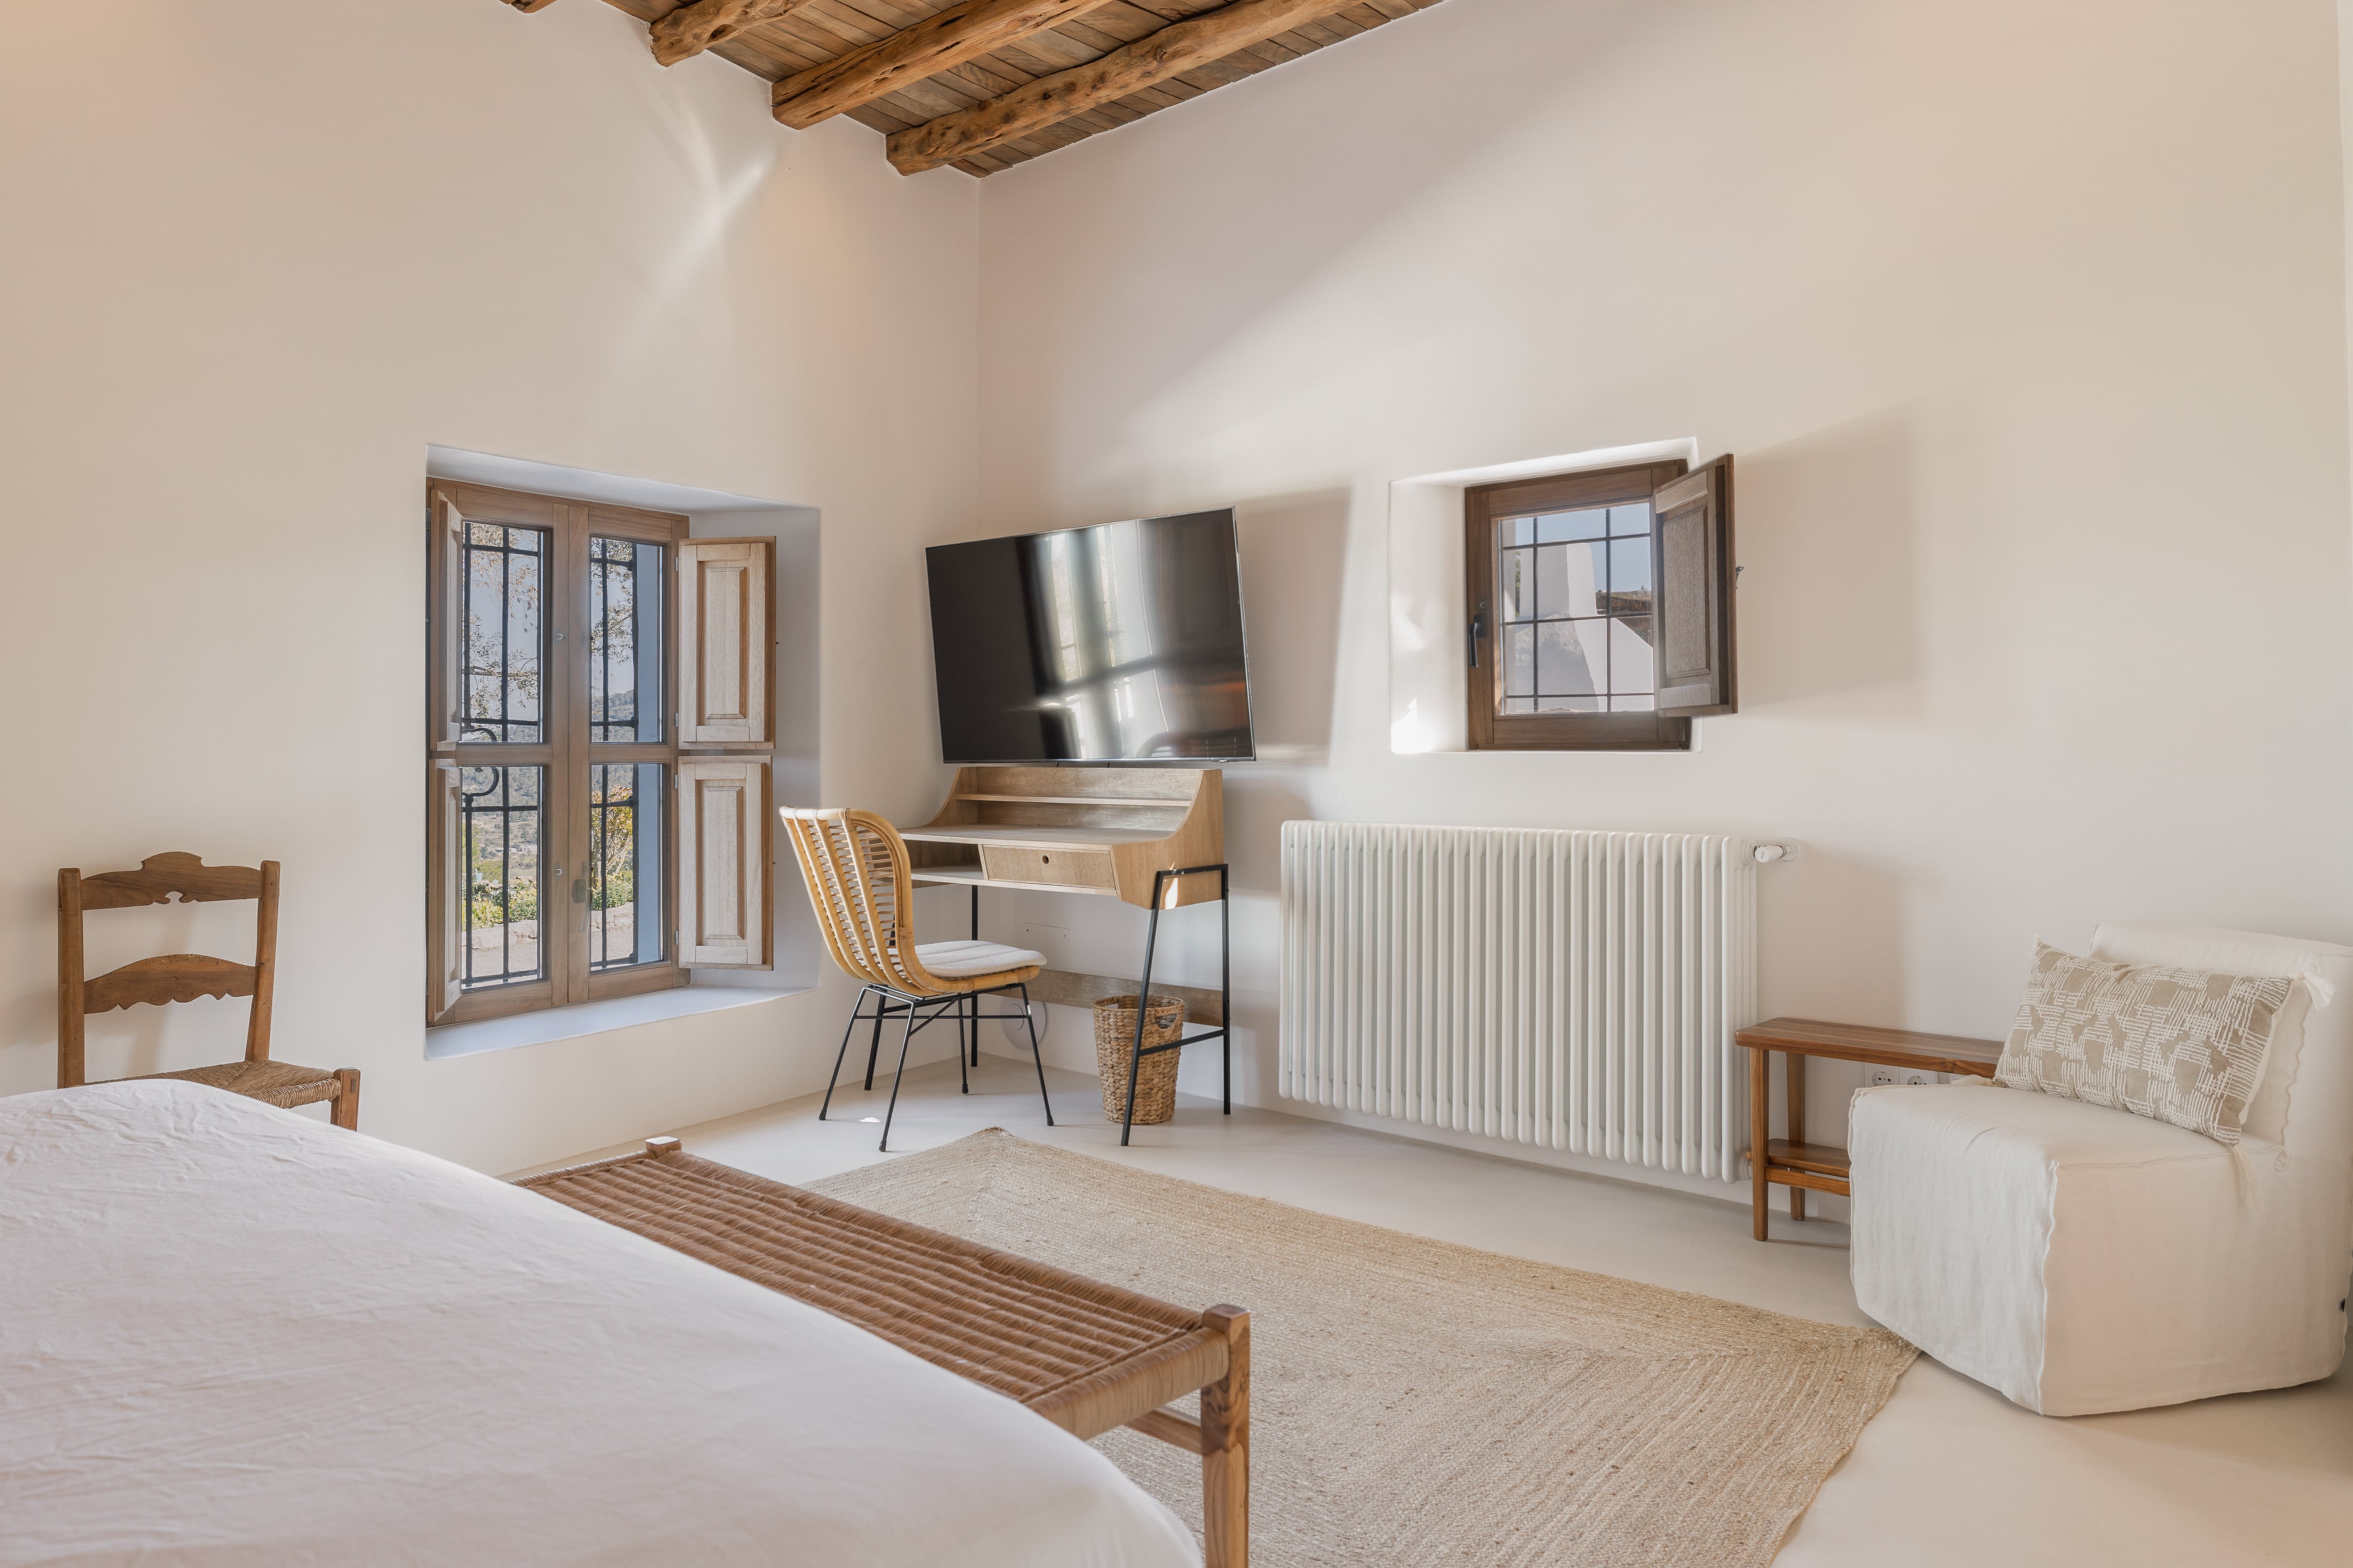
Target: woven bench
{"type": "Point", "coordinates": [1087, 1356]}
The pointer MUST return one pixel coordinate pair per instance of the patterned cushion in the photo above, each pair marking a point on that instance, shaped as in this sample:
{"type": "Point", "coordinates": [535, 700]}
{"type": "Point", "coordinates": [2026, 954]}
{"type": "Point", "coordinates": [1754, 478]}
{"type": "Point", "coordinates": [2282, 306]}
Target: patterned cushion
{"type": "Point", "coordinates": [2173, 1045]}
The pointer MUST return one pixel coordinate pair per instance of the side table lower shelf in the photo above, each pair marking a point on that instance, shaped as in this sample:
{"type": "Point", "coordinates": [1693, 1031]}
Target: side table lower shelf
{"type": "Point", "coordinates": [1804, 1167]}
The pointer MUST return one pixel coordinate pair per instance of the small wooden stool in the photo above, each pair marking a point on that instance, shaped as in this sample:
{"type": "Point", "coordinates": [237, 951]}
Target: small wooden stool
{"type": "Point", "coordinates": [1085, 1356]}
{"type": "Point", "coordinates": [1792, 1161]}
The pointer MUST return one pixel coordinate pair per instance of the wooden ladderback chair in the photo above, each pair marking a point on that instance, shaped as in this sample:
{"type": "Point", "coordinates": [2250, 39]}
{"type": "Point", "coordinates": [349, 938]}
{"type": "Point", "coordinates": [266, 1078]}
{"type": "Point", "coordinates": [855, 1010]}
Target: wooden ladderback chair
{"type": "Point", "coordinates": [184, 976]}
{"type": "Point", "coordinates": [861, 883]}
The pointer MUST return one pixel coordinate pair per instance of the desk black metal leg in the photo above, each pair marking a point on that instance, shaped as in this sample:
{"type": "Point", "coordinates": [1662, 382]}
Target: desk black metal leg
{"type": "Point", "coordinates": [1226, 988]}
{"type": "Point", "coordinates": [1143, 1009]}
{"type": "Point", "coordinates": [839, 1056]}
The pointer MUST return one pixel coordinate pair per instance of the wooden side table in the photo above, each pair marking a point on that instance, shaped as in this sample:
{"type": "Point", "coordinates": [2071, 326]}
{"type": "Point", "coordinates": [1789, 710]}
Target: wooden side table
{"type": "Point", "coordinates": [1792, 1161]}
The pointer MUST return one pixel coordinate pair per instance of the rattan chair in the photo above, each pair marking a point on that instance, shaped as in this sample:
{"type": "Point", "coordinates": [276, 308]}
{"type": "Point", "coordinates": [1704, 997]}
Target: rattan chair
{"type": "Point", "coordinates": [859, 879]}
{"type": "Point", "coordinates": [184, 976]}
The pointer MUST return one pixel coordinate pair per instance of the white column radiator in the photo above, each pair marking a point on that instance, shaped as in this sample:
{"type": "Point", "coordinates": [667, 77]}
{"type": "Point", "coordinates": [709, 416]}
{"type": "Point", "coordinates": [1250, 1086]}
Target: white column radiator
{"type": "Point", "coordinates": [1575, 990]}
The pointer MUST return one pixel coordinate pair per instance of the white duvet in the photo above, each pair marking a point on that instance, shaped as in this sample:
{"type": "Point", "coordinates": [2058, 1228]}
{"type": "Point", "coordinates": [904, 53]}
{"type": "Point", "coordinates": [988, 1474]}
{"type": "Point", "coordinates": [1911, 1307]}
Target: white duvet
{"type": "Point", "coordinates": [232, 1335]}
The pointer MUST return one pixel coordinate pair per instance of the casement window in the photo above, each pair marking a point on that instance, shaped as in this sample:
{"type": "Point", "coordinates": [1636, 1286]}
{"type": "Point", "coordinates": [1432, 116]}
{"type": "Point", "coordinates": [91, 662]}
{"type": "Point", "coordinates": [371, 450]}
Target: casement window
{"type": "Point", "coordinates": [1600, 607]}
{"type": "Point", "coordinates": [598, 749]}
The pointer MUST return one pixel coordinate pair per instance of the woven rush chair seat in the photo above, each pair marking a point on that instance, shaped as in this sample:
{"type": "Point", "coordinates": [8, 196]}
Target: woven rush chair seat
{"type": "Point", "coordinates": [1085, 1356]}
{"type": "Point", "coordinates": [281, 1084]}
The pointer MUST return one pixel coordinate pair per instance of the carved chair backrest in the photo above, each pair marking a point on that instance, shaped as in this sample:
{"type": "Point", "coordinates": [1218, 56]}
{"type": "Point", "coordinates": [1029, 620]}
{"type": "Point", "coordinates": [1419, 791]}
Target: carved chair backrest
{"type": "Point", "coordinates": [172, 977]}
{"type": "Point", "coordinates": [860, 879]}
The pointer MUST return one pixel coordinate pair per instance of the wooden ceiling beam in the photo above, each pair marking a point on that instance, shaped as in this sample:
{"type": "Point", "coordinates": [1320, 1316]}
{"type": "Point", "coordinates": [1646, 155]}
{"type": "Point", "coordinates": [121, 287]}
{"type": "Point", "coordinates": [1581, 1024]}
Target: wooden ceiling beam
{"type": "Point", "coordinates": [691, 29]}
{"type": "Point", "coordinates": [928, 47]}
{"type": "Point", "coordinates": [1171, 51]}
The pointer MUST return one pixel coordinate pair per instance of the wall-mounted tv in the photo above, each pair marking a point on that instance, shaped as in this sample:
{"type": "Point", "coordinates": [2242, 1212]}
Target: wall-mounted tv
{"type": "Point", "coordinates": [1121, 643]}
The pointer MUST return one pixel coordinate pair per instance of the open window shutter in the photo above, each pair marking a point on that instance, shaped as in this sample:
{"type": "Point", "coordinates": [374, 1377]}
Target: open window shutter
{"type": "Point", "coordinates": [722, 873]}
{"type": "Point", "coordinates": [449, 622]}
{"type": "Point", "coordinates": [449, 961]}
{"type": "Point", "coordinates": [1692, 566]}
{"type": "Point", "coordinates": [726, 611]}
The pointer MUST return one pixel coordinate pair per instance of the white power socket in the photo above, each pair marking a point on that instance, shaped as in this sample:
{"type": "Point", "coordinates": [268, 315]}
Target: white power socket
{"type": "Point", "coordinates": [1879, 1075]}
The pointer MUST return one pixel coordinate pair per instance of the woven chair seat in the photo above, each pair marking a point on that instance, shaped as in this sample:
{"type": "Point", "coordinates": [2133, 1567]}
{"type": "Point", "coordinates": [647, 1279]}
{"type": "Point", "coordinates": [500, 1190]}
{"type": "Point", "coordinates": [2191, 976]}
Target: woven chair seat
{"type": "Point", "coordinates": [281, 1084]}
{"type": "Point", "coordinates": [1086, 1356]}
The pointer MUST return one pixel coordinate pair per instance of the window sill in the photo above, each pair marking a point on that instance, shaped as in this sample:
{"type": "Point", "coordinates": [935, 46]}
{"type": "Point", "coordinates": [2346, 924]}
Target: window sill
{"type": "Point", "coordinates": [552, 1024]}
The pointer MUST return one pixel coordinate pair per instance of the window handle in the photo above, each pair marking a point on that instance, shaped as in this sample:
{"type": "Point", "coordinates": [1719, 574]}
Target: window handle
{"type": "Point", "coordinates": [1478, 631]}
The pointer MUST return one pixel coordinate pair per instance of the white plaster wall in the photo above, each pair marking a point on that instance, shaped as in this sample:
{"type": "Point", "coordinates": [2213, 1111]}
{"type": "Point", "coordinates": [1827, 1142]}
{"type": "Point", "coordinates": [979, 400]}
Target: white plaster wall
{"type": "Point", "coordinates": [2026, 324]}
{"type": "Point", "coordinates": [257, 257]}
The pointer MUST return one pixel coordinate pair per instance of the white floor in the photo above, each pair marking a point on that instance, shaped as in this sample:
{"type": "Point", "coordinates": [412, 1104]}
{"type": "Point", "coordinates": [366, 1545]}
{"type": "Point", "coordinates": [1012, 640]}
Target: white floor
{"type": "Point", "coordinates": [1949, 1473]}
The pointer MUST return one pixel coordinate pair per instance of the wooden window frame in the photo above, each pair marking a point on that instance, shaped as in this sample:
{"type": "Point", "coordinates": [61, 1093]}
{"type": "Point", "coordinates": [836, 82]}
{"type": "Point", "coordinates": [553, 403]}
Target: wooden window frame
{"type": "Point", "coordinates": [1482, 507]}
{"type": "Point", "coordinates": [566, 752]}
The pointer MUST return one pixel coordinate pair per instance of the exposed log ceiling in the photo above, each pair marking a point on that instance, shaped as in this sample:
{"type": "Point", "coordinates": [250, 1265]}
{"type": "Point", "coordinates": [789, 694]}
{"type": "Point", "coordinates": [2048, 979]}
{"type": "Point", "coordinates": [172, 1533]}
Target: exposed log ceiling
{"type": "Point", "coordinates": [986, 84]}
{"type": "Point", "coordinates": [1149, 61]}
{"type": "Point", "coordinates": [692, 29]}
{"type": "Point", "coordinates": [956, 35]}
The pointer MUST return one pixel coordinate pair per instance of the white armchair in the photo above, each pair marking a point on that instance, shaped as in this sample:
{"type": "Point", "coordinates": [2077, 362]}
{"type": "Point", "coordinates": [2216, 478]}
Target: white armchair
{"type": "Point", "coordinates": [2081, 1259]}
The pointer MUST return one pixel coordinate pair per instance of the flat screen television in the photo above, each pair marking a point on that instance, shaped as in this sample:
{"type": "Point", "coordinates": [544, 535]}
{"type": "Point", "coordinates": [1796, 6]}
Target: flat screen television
{"type": "Point", "coordinates": [1121, 643]}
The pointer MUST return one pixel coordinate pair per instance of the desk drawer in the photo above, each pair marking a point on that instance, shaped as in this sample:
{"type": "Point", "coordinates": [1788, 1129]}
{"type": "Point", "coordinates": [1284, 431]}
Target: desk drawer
{"type": "Point", "coordinates": [1061, 868]}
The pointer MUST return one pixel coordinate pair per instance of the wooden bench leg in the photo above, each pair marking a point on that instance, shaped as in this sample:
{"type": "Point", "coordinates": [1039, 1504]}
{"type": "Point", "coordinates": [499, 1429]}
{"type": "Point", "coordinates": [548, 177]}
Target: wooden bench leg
{"type": "Point", "coordinates": [1225, 1446]}
{"type": "Point", "coordinates": [346, 1111]}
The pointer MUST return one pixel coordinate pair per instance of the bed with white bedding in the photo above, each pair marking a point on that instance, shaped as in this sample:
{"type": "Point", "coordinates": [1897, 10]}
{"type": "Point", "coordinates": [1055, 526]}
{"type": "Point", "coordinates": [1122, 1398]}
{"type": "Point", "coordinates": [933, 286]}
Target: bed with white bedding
{"type": "Point", "coordinates": [230, 1335]}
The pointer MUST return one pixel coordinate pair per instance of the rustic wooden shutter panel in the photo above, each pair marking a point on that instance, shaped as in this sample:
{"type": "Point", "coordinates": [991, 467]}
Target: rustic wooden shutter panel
{"type": "Point", "coordinates": [726, 636]}
{"type": "Point", "coordinates": [449, 622]}
{"type": "Point", "coordinates": [456, 879]}
{"type": "Point", "coordinates": [723, 875]}
{"type": "Point", "coordinates": [1692, 565]}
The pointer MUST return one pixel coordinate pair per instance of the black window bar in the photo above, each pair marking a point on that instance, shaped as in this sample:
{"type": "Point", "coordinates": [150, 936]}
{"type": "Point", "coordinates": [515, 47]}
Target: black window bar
{"type": "Point", "coordinates": [1517, 580]}
{"type": "Point", "coordinates": [613, 846]}
{"type": "Point", "coordinates": [497, 817]}
{"type": "Point", "coordinates": [495, 555]}
{"type": "Point", "coordinates": [612, 602]}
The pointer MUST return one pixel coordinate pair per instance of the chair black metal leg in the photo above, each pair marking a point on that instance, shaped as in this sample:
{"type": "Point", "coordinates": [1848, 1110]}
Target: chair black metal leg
{"type": "Point", "coordinates": [875, 1050]}
{"type": "Point", "coordinates": [966, 1018]}
{"type": "Point", "coordinates": [1037, 1058]}
{"type": "Point", "coordinates": [906, 1033]}
{"type": "Point", "coordinates": [840, 1056]}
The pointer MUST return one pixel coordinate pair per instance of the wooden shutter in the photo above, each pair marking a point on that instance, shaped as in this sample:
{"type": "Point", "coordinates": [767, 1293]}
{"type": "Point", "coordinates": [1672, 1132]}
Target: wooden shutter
{"type": "Point", "coordinates": [723, 871]}
{"type": "Point", "coordinates": [449, 621]}
{"type": "Point", "coordinates": [726, 637]}
{"type": "Point", "coordinates": [1692, 566]}
{"type": "Point", "coordinates": [449, 911]}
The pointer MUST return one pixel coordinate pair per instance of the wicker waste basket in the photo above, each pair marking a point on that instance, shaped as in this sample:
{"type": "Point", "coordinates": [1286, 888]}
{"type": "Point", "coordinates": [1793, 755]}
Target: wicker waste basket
{"type": "Point", "coordinates": [1155, 1088]}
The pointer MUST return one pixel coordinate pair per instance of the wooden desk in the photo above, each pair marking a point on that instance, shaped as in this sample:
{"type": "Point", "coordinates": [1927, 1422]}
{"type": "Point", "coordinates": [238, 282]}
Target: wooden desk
{"type": "Point", "coordinates": [1792, 1161]}
{"type": "Point", "coordinates": [1111, 831]}
{"type": "Point", "coordinates": [1154, 837]}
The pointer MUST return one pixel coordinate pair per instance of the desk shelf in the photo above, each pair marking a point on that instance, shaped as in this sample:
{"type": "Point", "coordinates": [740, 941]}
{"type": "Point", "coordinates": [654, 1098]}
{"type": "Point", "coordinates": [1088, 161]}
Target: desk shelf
{"type": "Point", "coordinates": [1097, 830]}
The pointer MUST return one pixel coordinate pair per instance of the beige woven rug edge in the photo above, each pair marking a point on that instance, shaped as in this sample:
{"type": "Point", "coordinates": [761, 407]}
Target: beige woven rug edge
{"type": "Point", "coordinates": [1419, 1402]}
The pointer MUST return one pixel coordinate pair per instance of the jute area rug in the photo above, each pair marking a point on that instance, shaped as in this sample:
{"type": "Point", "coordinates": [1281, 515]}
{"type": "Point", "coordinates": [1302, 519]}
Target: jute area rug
{"type": "Point", "coordinates": [1414, 1402]}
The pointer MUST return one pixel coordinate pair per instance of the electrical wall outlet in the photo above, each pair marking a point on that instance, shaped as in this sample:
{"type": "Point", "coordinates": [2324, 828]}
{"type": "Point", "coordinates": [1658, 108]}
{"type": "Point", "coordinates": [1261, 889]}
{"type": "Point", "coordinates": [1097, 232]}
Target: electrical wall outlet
{"type": "Point", "coordinates": [1914, 1075]}
{"type": "Point", "coordinates": [1878, 1076]}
